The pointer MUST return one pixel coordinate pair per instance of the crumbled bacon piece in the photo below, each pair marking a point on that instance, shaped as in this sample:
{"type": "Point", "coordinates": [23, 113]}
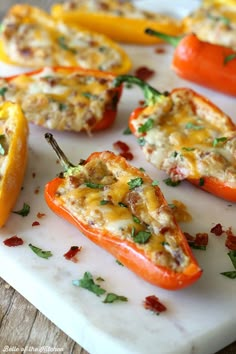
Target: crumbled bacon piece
{"type": "Point", "coordinates": [230, 242]}
{"type": "Point", "coordinates": [35, 223]}
{"type": "Point", "coordinates": [201, 239]}
{"type": "Point", "coordinates": [13, 241]}
{"type": "Point", "coordinates": [40, 215]}
{"type": "Point", "coordinates": [144, 73]}
{"type": "Point", "coordinates": [121, 146]}
{"type": "Point", "coordinates": [160, 50]}
{"type": "Point", "coordinates": [217, 230]}
{"type": "Point", "coordinates": [152, 303]}
{"type": "Point", "coordinates": [72, 252]}
{"type": "Point", "coordinates": [124, 150]}
{"type": "Point", "coordinates": [127, 155]}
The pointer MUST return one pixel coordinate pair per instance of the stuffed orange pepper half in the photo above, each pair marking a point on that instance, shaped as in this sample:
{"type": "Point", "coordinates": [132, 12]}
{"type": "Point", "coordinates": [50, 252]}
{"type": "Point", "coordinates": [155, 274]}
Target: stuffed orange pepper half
{"type": "Point", "coordinates": [121, 209]}
{"type": "Point", "coordinates": [64, 98]}
{"type": "Point", "coordinates": [187, 136]}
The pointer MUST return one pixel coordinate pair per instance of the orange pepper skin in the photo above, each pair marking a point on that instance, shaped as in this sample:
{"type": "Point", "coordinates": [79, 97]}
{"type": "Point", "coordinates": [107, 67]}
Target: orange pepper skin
{"type": "Point", "coordinates": [16, 158]}
{"type": "Point", "coordinates": [126, 251]}
{"type": "Point", "coordinates": [204, 63]}
{"type": "Point", "coordinates": [110, 113]}
{"type": "Point", "coordinates": [120, 29]}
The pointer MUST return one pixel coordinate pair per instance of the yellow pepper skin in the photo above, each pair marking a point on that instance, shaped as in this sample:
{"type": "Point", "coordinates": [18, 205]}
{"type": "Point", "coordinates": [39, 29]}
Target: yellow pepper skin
{"type": "Point", "coordinates": [120, 29]}
{"type": "Point", "coordinates": [13, 158]}
{"type": "Point", "coordinates": [62, 46]}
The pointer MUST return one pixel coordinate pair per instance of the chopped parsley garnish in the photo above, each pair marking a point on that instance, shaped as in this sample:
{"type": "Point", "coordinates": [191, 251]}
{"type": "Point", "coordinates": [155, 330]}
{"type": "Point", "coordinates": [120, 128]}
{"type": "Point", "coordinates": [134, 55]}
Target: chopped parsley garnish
{"type": "Point", "coordinates": [192, 126]}
{"type": "Point", "coordinates": [231, 274]}
{"type": "Point", "coordinates": [104, 202]}
{"type": "Point", "coordinates": [197, 247]}
{"type": "Point", "coordinates": [62, 43]}
{"type": "Point", "coordinates": [155, 182]}
{"type": "Point", "coordinates": [188, 148]}
{"type": "Point", "coordinates": [136, 219]}
{"type": "Point", "coordinates": [89, 95]}
{"type": "Point", "coordinates": [135, 182]}
{"type": "Point", "coordinates": [111, 297]}
{"type": "Point", "coordinates": [146, 126]}
{"type": "Point", "coordinates": [141, 141]}
{"type": "Point", "coordinates": [169, 182]}
{"type": "Point", "coordinates": [123, 205]}
{"type": "Point", "coordinates": [2, 150]}
{"type": "Point", "coordinates": [24, 211]}
{"type": "Point", "coordinates": [3, 90]}
{"type": "Point", "coordinates": [217, 141]}
{"type": "Point", "coordinates": [142, 237]}
{"type": "Point", "coordinates": [40, 252]}
{"type": "Point", "coordinates": [223, 19]}
{"type": "Point", "coordinates": [229, 57]}
{"type": "Point", "coordinates": [62, 107]}
{"type": "Point", "coordinates": [94, 185]}
{"type": "Point", "coordinates": [201, 181]}
{"type": "Point", "coordinates": [127, 131]}
{"type": "Point", "coordinates": [88, 283]}
{"type": "Point", "coordinates": [118, 262]}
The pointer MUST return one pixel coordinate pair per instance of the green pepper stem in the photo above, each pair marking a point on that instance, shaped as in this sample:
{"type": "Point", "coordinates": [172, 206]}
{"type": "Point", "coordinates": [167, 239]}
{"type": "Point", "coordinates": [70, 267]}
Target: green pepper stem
{"type": "Point", "coordinates": [62, 157]}
{"type": "Point", "coordinates": [173, 40]}
{"type": "Point", "coordinates": [151, 95]}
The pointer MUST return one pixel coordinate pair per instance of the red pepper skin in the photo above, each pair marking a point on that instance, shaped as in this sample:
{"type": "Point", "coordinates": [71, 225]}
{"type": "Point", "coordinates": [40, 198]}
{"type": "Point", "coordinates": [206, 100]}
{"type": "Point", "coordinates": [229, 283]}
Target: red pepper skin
{"type": "Point", "coordinates": [204, 64]}
{"type": "Point", "coordinates": [109, 115]}
{"type": "Point", "coordinates": [125, 251]}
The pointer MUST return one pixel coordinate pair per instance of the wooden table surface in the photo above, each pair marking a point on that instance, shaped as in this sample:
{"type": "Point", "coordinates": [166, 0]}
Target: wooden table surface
{"type": "Point", "coordinates": [23, 326]}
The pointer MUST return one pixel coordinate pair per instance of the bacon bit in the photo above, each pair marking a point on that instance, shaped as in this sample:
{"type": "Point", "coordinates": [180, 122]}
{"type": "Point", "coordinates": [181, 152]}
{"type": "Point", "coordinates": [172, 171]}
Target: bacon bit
{"type": "Point", "coordinates": [200, 241]}
{"type": "Point", "coordinates": [121, 146]}
{"type": "Point", "coordinates": [40, 215]}
{"type": "Point", "coordinates": [230, 242]}
{"type": "Point", "coordinates": [217, 230]}
{"type": "Point", "coordinates": [160, 50]}
{"type": "Point", "coordinates": [36, 191]}
{"type": "Point", "coordinates": [35, 223]}
{"type": "Point", "coordinates": [141, 102]}
{"type": "Point", "coordinates": [72, 253]}
{"type": "Point", "coordinates": [13, 241]}
{"type": "Point", "coordinates": [124, 150]}
{"type": "Point", "coordinates": [127, 155]}
{"type": "Point", "coordinates": [152, 303]}
{"type": "Point", "coordinates": [144, 73]}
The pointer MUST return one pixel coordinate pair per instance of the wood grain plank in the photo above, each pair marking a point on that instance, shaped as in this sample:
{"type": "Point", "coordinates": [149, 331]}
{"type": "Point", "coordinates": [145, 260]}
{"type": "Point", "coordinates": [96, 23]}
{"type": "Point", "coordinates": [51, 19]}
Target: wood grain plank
{"type": "Point", "coordinates": [23, 326]}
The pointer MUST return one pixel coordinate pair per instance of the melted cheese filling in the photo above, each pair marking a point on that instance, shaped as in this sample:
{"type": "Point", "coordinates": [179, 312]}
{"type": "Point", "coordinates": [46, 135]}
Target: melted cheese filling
{"type": "Point", "coordinates": [214, 24]}
{"type": "Point", "coordinates": [114, 8]}
{"type": "Point", "coordinates": [6, 129]}
{"type": "Point", "coordinates": [188, 139]}
{"type": "Point", "coordinates": [30, 43]}
{"type": "Point", "coordinates": [123, 212]}
{"type": "Point", "coordinates": [61, 100]}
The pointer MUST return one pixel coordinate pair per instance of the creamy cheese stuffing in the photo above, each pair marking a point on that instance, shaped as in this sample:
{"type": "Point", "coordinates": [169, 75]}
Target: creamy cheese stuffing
{"type": "Point", "coordinates": [61, 100]}
{"type": "Point", "coordinates": [214, 24]}
{"type": "Point", "coordinates": [114, 8]}
{"type": "Point", "coordinates": [187, 139]}
{"type": "Point", "coordinates": [98, 194]}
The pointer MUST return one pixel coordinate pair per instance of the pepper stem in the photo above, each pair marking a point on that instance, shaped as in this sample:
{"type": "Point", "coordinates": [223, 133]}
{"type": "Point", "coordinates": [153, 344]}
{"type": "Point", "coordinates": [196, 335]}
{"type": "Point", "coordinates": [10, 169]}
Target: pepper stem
{"type": "Point", "coordinates": [173, 40]}
{"type": "Point", "coordinates": [151, 95]}
{"type": "Point", "coordinates": [62, 157]}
